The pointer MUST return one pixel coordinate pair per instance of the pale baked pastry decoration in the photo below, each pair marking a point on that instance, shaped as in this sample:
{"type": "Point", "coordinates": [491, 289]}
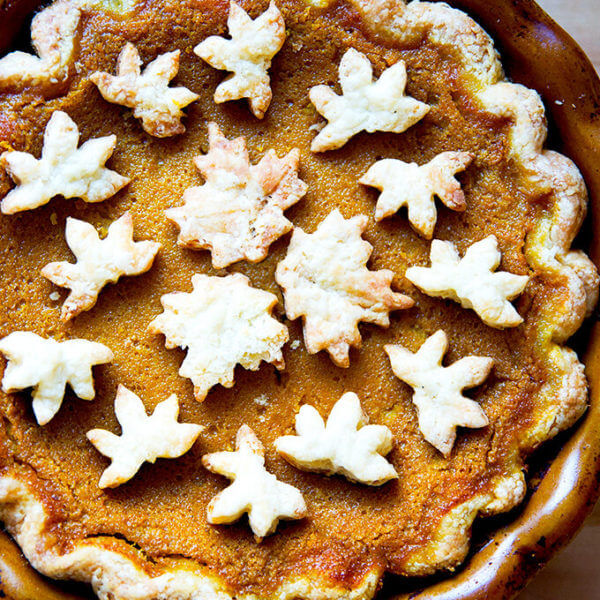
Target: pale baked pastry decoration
{"type": "Point", "coordinates": [222, 322]}
{"type": "Point", "coordinates": [63, 170]}
{"type": "Point", "coordinates": [99, 261]}
{"type": "Point", "coordinates": [148, 93]}
{"type": "Point", "coordinates": [408, 184]}
{"type": "Point", "coordinates": [47, 366]}
{"type": "Point", "coordinates": [365, 105]}
{"type": "Point", "coordinates": [347, 444]}
{"type": "Point", "coordinates": [143, 438]}
{"type": "Point", "coordinates": [247, 55]}
{"type": "Point", "coordinates": [52, 37]}
{"type": "Point", "coordinates": [438, 390]}
{"type": "Point", "coordinates": [238, 212]}
{"type": "Point", "coordinates": [326, 281]}
{"type": "Point", "coordinates": [253, 489]}
{"type": "Point", "coordinates": [471, 280]}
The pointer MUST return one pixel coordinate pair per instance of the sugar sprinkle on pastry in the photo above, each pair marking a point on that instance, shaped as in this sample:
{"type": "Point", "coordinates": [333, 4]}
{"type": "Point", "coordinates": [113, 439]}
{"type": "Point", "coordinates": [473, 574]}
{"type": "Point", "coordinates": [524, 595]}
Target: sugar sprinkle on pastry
{"type": "Point", "coordinates": [365, 105]}
{"type": "Point", "coordinates": [222, 322]}
{"type": "Point", "coordinates": [99, 261]}
{"type": "Point", "coordinates": [47, 366]}
{"type": "Point", "coordinates": [148, 92]}
{"type": "Point", "coordinates": [63, 170]}
{"type": "Point", "coordinates": [143, 438]}
{"type": "Point", "coordinates": [347, 444]}
{"type": "Point", "coordinates": [247, 55]}
{"type": "Point", "coordinates": [52, 37]}
{"type": "Point", "coordinates": [471, 280]}
{"type": "Point", "coordinates": [408, 184]}
{"type": "Point", "coordinates": [326, 281]}
{"type": "Point", "coordinates": [238, 212]}
{"type": "Point", "coordinates": [253, 489]}
{"type": "Point", "coordinates": [438, 389]}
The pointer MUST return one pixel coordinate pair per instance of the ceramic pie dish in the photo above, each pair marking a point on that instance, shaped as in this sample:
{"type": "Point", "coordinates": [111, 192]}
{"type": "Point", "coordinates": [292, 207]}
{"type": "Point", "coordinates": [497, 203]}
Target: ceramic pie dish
{"type": "Point", "coordinates": [510, 569]}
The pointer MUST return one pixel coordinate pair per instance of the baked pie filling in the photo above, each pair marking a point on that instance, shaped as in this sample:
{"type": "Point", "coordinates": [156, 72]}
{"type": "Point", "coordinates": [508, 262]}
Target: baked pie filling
{"type": "Point", "coordinates": [369, 419]}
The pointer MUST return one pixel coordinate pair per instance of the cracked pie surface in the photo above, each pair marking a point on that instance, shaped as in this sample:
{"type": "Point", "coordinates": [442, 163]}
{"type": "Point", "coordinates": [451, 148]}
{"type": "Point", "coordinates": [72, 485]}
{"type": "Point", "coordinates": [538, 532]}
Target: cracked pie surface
{"type": "Point", "coordinates": [322, 290]}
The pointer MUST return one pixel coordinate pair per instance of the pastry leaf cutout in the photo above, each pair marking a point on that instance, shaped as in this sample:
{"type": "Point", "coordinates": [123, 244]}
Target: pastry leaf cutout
{"type": "Point", "coordinates": [438, 389]}
{"type": "Point", "coordinates": [326, 281]}
{"type": "Point", "coordinates": [247, 55]}
{"type": "Point", "coordinates": [48, 366]}
{"type": "Point", "coordinates": [346, 444]}
{"type": "Point", "coordinates": [253, 489]}
{"type": "Point", "coordinates": [408, 184]}
{"type": "Point", "coordinates": [238, 212]}
{"type": "Point", "coordinates": [63, 170]}
{"type": "Point", "coordinates": [471, 280]}
{"type": "Point", "coordinates": [365, 105]}
{"type": "Point", "coordinates": [52, 37]}
{"type": "Point", "coordinates": [148, 93]}
{"type": "Point", "coordinates": [222, 322]}
{"type": "Point", "coordinates": [98, 261]}
{"type": "Point", "coordinates": [144, 438]}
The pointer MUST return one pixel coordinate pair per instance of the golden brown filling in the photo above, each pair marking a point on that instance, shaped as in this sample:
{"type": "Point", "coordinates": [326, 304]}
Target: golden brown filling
{"type": "Point", "coordinates": [350, 527]}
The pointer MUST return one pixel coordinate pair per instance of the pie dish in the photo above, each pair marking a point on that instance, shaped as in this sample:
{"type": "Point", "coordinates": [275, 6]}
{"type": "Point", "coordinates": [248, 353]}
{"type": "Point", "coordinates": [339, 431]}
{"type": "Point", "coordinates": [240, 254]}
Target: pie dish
{"type": "Point", "coordinates": [359, 575]}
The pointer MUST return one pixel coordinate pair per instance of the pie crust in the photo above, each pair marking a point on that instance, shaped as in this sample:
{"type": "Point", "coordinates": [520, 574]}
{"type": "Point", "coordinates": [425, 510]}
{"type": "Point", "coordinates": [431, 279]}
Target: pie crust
{"type": "Point", "coordinates": [116, 568]}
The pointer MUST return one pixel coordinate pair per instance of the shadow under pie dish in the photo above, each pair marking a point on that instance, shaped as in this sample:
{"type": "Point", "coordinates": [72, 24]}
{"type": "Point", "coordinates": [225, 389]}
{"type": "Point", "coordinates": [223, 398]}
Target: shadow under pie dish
{"type": "Point", "coordinates": [352, 533]}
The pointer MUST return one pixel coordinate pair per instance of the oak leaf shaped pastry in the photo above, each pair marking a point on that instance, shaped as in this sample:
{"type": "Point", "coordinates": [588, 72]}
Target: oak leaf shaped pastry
{"type": "Point", "coordinates": [222, 322]}
{"type": "Point", "coordinates": [63, 169]}
{"type": "Point", "coordinates": [365, 105]}
{"type": "Point", "coordinates": [408, 184]}
{"type": "Point", "coordinates": [143, 438]}
{"type": "Point", "coordinates": [238, 212]}
{"type": "Point", "coordinates": [52, 37]}
{"type": "Point", "coordinates": [148, 93]}
{"type": "Point", "coordinates": [438, 389]}
{"type": "Point", "coordinates": [99, 261]}
{"type": "Point", "coordinates": [247, 55]}
{"type": "Point", "coordinates": [345, 445]}
{"type": "Point", "coordinates": [471, 280]}
{"type": "Point", "coordinates": [47, 366]}
{"type": "Point", "coordinates": [326, 281]}
{"type": "Point", "coordinates": [254, 490]}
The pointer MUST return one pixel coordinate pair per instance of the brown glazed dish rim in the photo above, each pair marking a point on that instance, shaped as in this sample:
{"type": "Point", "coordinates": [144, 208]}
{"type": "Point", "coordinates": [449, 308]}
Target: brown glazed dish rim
{"type": "Point", "coordinates": [536, 52]}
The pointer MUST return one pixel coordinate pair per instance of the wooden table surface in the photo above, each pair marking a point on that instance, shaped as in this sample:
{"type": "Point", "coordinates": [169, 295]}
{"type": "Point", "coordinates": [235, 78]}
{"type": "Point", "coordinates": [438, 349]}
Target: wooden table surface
{"type": "Point", "coordinates": [575, 572]}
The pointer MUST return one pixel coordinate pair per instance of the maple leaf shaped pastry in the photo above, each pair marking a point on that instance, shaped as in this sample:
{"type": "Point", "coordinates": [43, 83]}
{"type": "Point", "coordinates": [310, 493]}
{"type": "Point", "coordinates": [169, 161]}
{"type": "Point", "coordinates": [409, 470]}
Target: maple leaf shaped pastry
{"type": "Point", "coordinates": [238, 213]}
{"type": "Point", "coordinates": [222, 322]}
{"type": "Point", "coordinates": [47, 366]}
{"type": "Point", "coordinates": [471, 280]}
{"type": "Point", "coordinates": [143, 438]}
{"type": "Point", "coordinates": [98, 261]}
{"type": "Point", "coordinates": [364, 105]}
{"type": "Point", "coordinates": [326, 281]}
{"type": "Point", "coordinates": [52, 37]}
{"type": "Point", "coordinates": [438, 390]}
{"type": "Point", "coordinates": [148, 93]}
{"type": "Point", "coordinates": [414, 186]}
{"type": "Point", "coordinates": [247, 55]}
{"type": "Point", "coordinates": [346, 445]}
{"type": "Point", "coordinates": [254, 490]}
{"type": "Point", "coordinates": [63, 169]}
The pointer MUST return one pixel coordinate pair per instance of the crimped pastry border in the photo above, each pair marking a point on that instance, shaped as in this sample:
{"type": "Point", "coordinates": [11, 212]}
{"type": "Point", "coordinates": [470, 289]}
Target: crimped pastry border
{"type": "Point", "coordinates": [119, 571]}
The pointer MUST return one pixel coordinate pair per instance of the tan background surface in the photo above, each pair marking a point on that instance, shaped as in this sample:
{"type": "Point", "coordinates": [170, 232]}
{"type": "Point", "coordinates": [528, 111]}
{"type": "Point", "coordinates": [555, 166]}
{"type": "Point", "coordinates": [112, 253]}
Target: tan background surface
{"type": "Point", "coordinates": [575, 572]}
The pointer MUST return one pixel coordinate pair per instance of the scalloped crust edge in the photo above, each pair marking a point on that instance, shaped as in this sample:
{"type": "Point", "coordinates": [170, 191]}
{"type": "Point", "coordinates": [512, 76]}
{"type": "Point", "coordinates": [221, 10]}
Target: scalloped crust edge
{"type": "Point", "coordinates": [561, 401]}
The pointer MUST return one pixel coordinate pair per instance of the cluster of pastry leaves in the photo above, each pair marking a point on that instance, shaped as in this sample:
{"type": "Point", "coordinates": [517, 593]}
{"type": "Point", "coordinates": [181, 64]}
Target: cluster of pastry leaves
{"type": "Point", "coordinates": [237, 214]}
